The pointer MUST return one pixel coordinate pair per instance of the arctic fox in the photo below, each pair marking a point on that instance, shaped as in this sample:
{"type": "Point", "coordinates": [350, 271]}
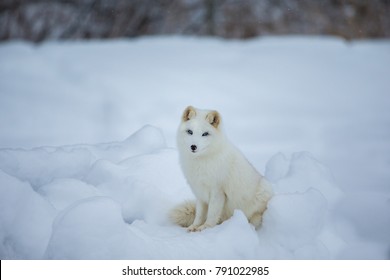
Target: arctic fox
{"type": "Point", "coordinates": [220, 177]}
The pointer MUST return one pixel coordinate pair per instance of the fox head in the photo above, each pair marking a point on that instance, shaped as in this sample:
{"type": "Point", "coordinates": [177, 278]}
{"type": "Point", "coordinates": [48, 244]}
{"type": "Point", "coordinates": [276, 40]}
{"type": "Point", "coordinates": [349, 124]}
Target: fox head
{"type": "Point", "coordinates": [199, 131]}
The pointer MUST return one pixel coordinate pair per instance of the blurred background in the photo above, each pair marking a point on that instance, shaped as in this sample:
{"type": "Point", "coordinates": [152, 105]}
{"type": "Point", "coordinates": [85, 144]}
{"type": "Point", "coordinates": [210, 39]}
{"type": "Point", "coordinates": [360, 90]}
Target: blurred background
{"type": "Point", "coordinates": [38, 20]}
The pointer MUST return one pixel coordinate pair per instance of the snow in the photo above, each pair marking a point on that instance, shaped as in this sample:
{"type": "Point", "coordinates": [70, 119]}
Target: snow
{"type": "Point", "coordinates": [310, 113]}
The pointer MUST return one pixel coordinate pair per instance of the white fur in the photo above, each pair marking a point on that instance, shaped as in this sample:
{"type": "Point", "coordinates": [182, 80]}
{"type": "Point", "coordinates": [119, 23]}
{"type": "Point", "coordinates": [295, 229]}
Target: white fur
{"type": "Point", "coordinates": [219, 175]}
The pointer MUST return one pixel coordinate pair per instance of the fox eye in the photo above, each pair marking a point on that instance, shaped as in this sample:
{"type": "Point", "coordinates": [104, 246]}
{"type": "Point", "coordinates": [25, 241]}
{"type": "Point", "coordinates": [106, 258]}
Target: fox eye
{"type": "Point", "coordinates": [189, 131]}
{"type": "Point", "coordinates": [206, 134]}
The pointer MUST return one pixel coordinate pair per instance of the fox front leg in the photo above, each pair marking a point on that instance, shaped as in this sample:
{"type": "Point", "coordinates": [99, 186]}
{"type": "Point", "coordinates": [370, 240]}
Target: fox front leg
{"type": "Point", "coordinates": [200, 216]}
{"type": "Point", "coordinates": [216, 206]}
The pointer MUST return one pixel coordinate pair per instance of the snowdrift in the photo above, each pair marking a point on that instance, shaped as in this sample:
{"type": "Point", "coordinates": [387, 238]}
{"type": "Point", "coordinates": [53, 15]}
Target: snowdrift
{"type": "Point", "coordinates": [110, 201]}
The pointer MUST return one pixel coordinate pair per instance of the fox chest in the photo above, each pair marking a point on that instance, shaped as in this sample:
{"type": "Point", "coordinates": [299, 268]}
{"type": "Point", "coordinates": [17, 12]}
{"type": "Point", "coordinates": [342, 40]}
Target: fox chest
{"type": "Point", "coordinates": [204, 178]}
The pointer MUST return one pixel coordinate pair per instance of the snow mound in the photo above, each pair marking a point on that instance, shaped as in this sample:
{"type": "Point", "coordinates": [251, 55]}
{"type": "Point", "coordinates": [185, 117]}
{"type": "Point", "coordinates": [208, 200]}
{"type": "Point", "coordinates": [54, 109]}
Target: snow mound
{"type": "Point", "coordinates": [41, 165]}
{"type": "Point", "coordinates": [111, 201]}
{"type": "Point", "coordinates": [300, 173]}
{"type": "Point", "coordinates": [293, 223]}
{"type": "Point", "coordinates": [92, 229]}
{"type": "Point", "coordinates": [25, 218]}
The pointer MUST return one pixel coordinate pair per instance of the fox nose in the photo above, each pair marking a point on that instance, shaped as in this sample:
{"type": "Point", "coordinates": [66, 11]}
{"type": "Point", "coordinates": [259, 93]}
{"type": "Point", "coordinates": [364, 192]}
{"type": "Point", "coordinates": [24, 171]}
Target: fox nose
{"type": "Point", "coordinates": [193, 148]}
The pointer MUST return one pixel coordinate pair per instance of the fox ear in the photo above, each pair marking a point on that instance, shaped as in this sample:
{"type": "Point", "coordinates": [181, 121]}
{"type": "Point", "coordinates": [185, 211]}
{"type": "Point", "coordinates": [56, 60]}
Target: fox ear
{"type": "Point", "coordinates": [214, 118]}
{"type": "Point", "coordinates": [188, 113]}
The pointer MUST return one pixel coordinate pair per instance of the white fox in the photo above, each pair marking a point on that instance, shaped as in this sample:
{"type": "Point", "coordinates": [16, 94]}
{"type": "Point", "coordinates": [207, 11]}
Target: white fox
{"type": "Point", "coordinates": [220, 177]}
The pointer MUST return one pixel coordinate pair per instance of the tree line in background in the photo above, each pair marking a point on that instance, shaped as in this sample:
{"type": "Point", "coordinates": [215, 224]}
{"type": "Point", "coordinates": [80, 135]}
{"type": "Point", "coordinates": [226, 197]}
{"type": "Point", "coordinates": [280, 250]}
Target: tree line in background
{"type": "Point", "coordinates": [38, 20]}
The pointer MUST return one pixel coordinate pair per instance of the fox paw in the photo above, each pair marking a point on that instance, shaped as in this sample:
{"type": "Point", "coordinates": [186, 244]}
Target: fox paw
{"type": "Point", "coordinates": [193, 228]}
{"type": "Point", "coordinates": [202, 227]}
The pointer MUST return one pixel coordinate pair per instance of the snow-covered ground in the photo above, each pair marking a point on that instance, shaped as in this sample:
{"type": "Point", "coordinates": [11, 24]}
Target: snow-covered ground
{"type": "Point", "coordinates": [311, 113]}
